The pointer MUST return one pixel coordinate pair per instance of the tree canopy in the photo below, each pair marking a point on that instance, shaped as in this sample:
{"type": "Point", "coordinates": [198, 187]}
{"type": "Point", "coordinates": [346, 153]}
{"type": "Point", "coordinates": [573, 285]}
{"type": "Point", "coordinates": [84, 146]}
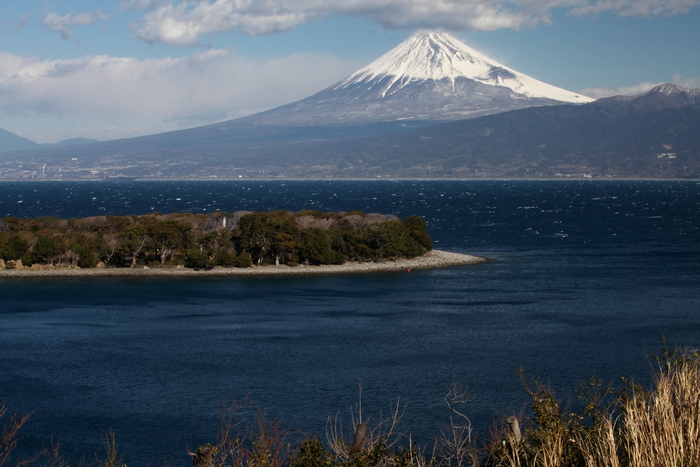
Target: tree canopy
{"type": "Point", "coordinates": [220, 239]}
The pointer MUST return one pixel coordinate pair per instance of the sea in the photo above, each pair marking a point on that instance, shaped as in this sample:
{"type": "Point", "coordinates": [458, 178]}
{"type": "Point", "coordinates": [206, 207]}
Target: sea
{"type": "Point", "coordinates": [588, 278]}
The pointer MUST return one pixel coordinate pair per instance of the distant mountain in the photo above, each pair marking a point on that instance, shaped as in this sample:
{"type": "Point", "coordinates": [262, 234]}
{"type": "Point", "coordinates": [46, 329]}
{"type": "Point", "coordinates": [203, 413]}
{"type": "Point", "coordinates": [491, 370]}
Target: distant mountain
{"type": "Point", "coordinates": [430, 76]}
{"type": "Point", "coordinates": [12, 142]}
{"type": "Point", "coordinates": [427, 79]}
{"type": "Point", "coordinates": [653, 135]}
{"type": "Point", "coordinates": [402, 116]}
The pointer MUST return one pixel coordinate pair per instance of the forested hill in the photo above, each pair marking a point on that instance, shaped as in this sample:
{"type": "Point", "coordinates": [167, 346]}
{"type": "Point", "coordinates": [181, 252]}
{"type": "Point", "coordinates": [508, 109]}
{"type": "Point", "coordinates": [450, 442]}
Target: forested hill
{"type": "Point", "coordinates": [239, 239]}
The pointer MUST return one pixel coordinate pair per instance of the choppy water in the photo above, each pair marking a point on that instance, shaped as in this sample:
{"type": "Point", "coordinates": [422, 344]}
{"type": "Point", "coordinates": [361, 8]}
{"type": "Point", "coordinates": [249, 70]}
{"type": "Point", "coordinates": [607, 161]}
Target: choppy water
{"type": "Point", "coordinates": [590, 276]}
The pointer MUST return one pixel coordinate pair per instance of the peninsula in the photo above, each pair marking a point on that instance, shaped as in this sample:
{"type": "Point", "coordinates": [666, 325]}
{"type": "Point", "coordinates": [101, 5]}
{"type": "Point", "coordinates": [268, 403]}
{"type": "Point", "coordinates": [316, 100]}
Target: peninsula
{"type": "Point", "coordinates": [217, 244]}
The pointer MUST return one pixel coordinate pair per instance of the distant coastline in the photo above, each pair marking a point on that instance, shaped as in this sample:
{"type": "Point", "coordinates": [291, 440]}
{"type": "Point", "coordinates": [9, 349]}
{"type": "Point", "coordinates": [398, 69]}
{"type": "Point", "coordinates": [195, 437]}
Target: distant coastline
{"type": "Point", "coordinates": [431, 260]}
{"type": "Point", "coordinates": [361, 179]}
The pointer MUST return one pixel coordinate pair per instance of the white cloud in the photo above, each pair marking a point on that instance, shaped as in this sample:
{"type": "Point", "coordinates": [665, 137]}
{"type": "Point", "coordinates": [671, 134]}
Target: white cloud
{"type": "Point", "coordinates": [184, 22]}
{"type": "Point", "coordinates": [60, 24]}
{"type": "Point", "coordinates": [690, 83]}
{"type": "Point", "coordinates": [140, 5]}
{"type": "Point", "coordinates": [134, 97]}
{"type": "Point", "coordinates": [23, 20]}
{"type": "Point", "coordinates": [636, 7]}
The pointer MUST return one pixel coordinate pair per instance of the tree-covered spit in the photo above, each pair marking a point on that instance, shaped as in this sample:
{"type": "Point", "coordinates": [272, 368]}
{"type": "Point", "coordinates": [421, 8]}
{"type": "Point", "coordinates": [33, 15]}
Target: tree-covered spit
{"type": "Point", "coordinates": [239, 239]}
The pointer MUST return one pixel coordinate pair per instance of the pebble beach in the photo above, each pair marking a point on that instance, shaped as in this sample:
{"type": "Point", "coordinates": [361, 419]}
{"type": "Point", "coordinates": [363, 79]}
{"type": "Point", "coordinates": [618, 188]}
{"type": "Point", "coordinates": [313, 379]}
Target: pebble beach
{"type": "Point", "coordinates": [432, 259]}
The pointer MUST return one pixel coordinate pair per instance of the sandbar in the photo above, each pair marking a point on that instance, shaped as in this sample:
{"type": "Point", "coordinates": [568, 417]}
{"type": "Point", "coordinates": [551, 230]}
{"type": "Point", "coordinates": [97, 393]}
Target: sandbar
{"type": "Point", "coordinates": [431, 260]}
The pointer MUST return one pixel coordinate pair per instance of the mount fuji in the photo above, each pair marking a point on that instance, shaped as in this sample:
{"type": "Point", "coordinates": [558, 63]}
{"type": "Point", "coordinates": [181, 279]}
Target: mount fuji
{"type": "Point", "coordinates": [430, 76]}
{"type": "Point", "coordinates": [428, 79]}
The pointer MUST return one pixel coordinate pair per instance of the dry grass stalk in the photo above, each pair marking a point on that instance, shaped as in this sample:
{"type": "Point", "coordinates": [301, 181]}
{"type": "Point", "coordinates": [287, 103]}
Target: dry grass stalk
{"type": "Point", "coordinates": [456, 440]}
{"type": "Point", "coordinates": [417, 457]}
{"type": "Point", "coordinates": [9, 434]}
{"type": "Point", "coordinates": [384, 433]}
{"type": "Point", "coordinates": [600, 447]}
{"type": "Point", "coordinates": [112, 457]}
{"type": "Point", "coordinates": [241, 445]}
{"type": "Point", "coordinates": [551, 434]}
{"type": "Point", "coordinates": [505, 448]}
{"type": "Point", "coordinates": [269, 444]}
{"type": "Point", "coordinates": [336, 439]}
{"type": "Point", "coordinates": [53, 456]}
{"type": "Point", "coordinates": [662, 426]}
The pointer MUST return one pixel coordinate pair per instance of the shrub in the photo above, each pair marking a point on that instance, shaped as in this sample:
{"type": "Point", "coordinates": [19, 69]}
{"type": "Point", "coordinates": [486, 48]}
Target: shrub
{"type": "Point", "coordinates": [88, 258]}
{"type": "Point", "coordinates": [639, 427]}
{"type": "Point", "coordinates": [15, 247]}
{"type": "Point", "coordinates": [243, 261]}
{"type": "Point", "coordinates": [312, 454]}
{"type": "Point", "coordinates": [196, 259]}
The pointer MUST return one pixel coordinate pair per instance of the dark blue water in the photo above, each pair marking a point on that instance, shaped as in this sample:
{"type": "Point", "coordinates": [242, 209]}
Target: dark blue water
{"type": "Point", "coordinates": [589, 277]}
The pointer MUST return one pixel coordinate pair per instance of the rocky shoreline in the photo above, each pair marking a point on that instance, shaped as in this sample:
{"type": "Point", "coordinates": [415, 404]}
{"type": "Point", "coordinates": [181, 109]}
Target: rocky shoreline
{"type": "Point", "coordinates": [432, 259]}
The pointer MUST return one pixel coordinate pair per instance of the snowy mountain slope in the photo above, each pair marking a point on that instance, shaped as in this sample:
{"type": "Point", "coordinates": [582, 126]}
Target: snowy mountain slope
{"type": "Point", "coordinates": [430, 76]}
{"type": "Point", "coordinates": [673, 90]}
{"type": "Point", "coordinates": [437, 56]}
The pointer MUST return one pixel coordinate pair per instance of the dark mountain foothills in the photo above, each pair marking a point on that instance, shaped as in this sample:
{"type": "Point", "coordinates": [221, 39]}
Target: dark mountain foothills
{"type": "Point", "coordinates": [206, 152]}
{"type": "Point", "coordinates": [653, 135]}
{"type": "Point", "coordinates": [239, 239]}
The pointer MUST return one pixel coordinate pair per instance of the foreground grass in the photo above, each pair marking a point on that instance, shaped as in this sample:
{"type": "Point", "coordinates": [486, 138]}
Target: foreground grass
{"type": "Point", "coordinates": [625, 426]}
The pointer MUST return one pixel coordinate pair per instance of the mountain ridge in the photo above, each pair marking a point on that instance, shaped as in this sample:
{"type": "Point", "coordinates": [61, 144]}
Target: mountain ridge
{"type": "Point", "coordinates": [652, 135]}
{"type": "Point", "coordinates": [381, 124]}
{"type": "Point", "coordinates": [12, 142]}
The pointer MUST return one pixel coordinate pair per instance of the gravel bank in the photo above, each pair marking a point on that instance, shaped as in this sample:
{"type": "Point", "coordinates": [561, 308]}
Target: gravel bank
{"type": "Point", "coordinates": [432, 259]}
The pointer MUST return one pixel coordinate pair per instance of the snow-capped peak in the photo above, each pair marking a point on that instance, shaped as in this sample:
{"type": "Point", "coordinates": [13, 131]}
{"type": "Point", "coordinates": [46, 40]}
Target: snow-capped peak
{"type": "Point", "coordinates": [437, 56]}
{"type": "Point", "coordinates": [674, 90]}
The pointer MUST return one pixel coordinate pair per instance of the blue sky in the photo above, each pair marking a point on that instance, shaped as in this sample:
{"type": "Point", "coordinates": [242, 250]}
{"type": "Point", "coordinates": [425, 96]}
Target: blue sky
{"type": "Point", "coordinates": [111, 69]}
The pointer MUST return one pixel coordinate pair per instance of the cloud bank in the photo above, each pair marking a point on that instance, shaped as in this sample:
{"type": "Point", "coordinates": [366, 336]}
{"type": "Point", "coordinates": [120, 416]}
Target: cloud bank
{"type": "Point", "coordinates": [168, 93]}
{"type": "Point", "coordinates": [184, 22]}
